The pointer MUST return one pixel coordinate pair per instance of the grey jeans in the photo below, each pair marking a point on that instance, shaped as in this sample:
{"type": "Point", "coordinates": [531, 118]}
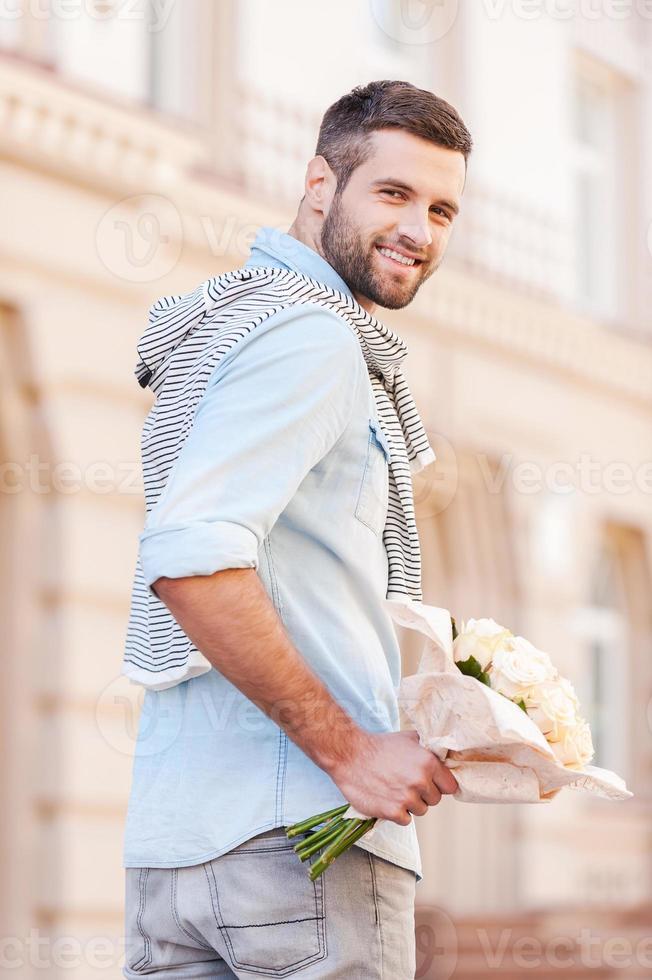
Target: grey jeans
{"type": "Point", "coordinates": [253, 912]}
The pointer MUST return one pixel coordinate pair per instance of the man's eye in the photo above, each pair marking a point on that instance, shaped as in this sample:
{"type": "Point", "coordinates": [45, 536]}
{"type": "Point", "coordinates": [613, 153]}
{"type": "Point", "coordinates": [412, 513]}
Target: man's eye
{"type": "Point", "coordinates": [388, 191]}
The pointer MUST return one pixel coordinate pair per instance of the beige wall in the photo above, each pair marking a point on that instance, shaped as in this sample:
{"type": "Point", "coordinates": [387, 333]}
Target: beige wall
{"type": "Point", "coordinates": [108, 206]}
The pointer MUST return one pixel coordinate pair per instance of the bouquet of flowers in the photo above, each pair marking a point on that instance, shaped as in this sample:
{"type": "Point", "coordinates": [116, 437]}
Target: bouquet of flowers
{"type": "Point", "coordinates": [495, 709]}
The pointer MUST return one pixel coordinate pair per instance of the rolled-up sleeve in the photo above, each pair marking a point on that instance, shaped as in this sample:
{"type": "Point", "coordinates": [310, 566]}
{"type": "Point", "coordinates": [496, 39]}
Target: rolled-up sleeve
{"type": "Point", "coordinates": [275, 406]}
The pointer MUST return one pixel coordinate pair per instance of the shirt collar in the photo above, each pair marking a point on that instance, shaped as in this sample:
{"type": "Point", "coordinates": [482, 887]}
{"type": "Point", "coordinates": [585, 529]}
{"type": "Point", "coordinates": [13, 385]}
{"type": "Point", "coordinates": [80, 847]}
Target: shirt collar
{"type": "Point", "coordinates": [272, 247]}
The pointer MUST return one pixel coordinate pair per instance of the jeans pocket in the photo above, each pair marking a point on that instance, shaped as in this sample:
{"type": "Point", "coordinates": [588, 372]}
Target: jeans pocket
{"type": "Point", "coordinates": [138, 944]}
{"type": "Point", "coordinates": [269, 914]}
{"type": "Point", "coordinates": [371, 507]}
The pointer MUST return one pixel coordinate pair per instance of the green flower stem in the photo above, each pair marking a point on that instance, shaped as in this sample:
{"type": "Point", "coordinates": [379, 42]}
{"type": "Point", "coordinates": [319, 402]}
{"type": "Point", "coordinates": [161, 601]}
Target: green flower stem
{"type": "Point", "coordinates": [336, 823]}
{"type": "Point", "coordinates": [341, 843]}
{"type": "Point", "coordinates": [312, 846]}
{"type": "Point", "coordinates": [310, 822]}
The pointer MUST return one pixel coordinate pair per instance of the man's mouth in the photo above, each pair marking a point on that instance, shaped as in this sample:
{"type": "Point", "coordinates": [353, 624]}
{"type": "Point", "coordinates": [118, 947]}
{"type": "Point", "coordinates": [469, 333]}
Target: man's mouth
{"type": "Point", "coordinates": [397, 259]}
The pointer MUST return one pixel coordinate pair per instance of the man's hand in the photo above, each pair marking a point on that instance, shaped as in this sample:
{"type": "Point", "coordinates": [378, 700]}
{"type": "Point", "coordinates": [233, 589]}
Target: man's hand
{"type": "Point", "coordinates": [391, 776]}
{"type": "Point", "coordinates": [230, 618]}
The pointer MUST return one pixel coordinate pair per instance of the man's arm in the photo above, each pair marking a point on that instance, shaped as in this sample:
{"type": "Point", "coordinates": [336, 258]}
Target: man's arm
{"type": "Point", "coordinates": [231, 620]}
{"type": "Point", "coordinates": [282, 402]}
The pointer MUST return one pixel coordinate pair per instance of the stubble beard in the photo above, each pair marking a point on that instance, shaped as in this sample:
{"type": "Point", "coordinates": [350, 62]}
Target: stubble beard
{"type": "Point", "coordinates": [352, 258]}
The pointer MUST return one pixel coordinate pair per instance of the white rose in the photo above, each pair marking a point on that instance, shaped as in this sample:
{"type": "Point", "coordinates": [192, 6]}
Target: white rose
{"type": "Point", "coordinates": [575, 747]}
{"type": "Point", "coordinates": [519, 666]}
{"type": "Point", "coordinates": [480, 638]}
{"type": "Point", "coordinates": [568, 688]}
{"type": "Point", "coordinates": [553, 707]}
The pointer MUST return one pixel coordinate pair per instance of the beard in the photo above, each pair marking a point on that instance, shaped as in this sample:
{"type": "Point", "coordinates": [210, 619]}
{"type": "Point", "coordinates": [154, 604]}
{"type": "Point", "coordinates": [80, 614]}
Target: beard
{"type": "Point", "coordinates": [354, 260]}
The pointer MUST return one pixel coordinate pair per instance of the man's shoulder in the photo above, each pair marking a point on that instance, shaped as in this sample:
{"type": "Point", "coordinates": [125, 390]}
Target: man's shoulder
{"type": "Point", "coordinates": [306, 336]}
{"type": "Point", "coordinates": [309, 327]}
{"type": "Point", "coordinates": [315, 316]}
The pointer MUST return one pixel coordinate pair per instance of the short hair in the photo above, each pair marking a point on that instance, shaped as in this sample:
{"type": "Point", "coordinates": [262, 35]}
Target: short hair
{"type": "Point", "coordinates": [344, 132]}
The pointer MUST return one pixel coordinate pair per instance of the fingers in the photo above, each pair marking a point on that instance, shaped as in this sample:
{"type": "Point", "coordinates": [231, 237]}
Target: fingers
{"type": "Point", "coordinates": [412, 803]}
{"type": "Point", "coordinates": [429, 778]}
{"type": "Point", "coordinates": [444, 779]}
{"type": "Point", "coordinates": [440, 774]}
{"type": "Point", "coordinates": [418, 807]}
{"type": "Point", "coordinates": [432, 794]}
{"type": "Point", "coordinates": [402, 817]}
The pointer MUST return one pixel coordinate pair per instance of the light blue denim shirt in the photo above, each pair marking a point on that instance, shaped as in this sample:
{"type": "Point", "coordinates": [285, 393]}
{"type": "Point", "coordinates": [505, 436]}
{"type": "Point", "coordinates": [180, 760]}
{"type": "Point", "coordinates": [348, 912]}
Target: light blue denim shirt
{"type": "Point", "coordinates": [284, 470]}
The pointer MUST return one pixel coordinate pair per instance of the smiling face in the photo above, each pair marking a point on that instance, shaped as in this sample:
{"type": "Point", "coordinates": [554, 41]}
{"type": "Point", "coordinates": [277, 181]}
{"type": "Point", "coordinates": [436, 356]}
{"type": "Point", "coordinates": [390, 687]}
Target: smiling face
{"type": "Point", "coordinates": [387, 232]}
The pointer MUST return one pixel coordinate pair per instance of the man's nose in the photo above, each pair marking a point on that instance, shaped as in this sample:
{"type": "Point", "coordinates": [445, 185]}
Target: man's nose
{"type": "Point", "coordinates": [417, 229]}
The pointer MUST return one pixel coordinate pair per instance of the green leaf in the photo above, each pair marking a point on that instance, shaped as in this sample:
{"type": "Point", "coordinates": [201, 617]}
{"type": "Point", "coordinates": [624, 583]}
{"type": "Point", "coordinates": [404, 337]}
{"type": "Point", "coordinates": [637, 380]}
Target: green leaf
{"type": "Point", "coordinates": [521, 704]}
{"type": "Point", "coordinates": [473, 668]}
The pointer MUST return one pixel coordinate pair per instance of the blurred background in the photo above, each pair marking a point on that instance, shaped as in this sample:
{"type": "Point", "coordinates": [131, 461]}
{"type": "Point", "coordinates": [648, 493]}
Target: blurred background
{"type": "Point", "coordinates": [142, 144]}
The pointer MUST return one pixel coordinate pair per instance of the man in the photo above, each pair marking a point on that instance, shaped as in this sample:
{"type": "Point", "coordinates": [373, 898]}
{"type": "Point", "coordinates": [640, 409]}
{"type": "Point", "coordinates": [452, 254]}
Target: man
{"type": "Point", "coordinates": [269, 548]}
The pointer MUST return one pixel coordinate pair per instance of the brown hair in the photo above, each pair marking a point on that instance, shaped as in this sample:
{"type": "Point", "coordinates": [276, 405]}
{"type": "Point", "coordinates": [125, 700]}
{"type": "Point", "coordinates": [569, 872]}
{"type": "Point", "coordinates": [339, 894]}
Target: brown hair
{"type": "Point", "coordinates": [343, 138]}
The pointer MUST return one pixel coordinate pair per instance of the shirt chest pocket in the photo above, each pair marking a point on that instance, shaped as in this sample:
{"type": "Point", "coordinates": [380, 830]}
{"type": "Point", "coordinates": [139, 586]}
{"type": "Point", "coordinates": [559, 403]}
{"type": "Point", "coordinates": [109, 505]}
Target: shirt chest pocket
{"type": "Point", "coordinates": [371, 507]}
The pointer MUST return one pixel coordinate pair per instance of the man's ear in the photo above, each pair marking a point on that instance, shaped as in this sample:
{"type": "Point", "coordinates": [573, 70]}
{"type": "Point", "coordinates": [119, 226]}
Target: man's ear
{"type": "Point", "coordinates": [320, 184]}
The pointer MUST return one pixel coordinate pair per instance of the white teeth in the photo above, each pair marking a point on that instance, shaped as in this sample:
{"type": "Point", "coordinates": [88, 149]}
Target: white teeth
{"type": "Point", "coordinates": [397, 256]}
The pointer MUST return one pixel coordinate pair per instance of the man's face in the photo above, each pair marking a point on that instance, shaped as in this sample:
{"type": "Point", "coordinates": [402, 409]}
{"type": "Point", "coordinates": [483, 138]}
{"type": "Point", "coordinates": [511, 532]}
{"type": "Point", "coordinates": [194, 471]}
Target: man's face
{"type": "Point", "coordinates": [404, 198]}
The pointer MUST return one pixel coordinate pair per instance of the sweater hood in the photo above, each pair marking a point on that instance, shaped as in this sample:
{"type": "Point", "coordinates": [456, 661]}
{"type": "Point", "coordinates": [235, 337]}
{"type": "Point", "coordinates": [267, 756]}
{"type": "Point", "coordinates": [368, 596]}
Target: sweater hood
{"type": "Point", "coordinates": [171, 320]}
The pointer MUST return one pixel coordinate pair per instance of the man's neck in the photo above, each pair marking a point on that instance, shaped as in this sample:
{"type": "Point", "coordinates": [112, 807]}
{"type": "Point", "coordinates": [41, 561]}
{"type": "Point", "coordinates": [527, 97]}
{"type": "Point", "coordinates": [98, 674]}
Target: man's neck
{"type": "Point", "coordinates": [312, 239]}
{"type": "Point", "coordinates": [307, 236]}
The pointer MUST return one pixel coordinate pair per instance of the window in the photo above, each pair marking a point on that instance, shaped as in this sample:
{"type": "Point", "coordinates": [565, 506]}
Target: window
{"type": "Point", "coordinates": [25, 31]}
{"type": "Point", "coordinates": [599, 192]}
{"type": "Point", "coordinates": [101, 46]}
{"type": "Point", "coordinates": [146, 53]}
{"type": "Point", "coordinates": [179, 52]}
{"type": "Point", "coordinates": [614, 628]}
{"type": "Point", "coordinates": [11, 33]}
{"type": "Point", "coordinates": [467, 539]}
{"type": "Point", "coordinates": [606, 706]}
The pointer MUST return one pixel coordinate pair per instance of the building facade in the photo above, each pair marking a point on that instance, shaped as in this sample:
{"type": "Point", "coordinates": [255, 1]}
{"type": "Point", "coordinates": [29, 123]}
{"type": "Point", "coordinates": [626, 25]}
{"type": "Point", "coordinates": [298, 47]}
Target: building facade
{"type": "Point", "coordinates": [141, 146]}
